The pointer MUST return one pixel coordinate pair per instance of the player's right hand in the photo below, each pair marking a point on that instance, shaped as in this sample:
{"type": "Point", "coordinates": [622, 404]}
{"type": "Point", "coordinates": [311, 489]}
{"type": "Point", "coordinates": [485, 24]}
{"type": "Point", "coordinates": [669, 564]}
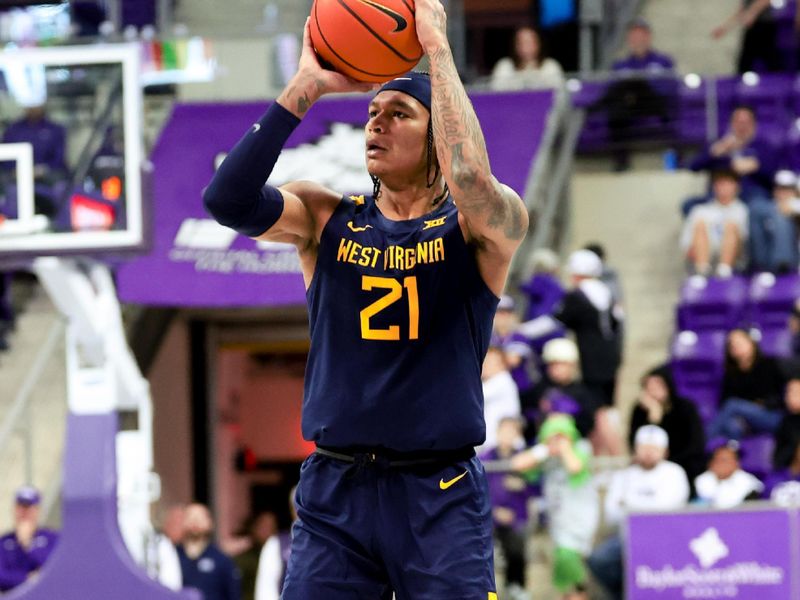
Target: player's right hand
{"type": "Point", "coordinates": [325, 80]}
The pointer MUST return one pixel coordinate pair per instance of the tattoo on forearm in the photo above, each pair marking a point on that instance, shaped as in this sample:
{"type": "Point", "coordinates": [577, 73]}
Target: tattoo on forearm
{"type": "Point", "coordinates": [303, 103]}
{"type": "Point", "coordinates": [462, 151]}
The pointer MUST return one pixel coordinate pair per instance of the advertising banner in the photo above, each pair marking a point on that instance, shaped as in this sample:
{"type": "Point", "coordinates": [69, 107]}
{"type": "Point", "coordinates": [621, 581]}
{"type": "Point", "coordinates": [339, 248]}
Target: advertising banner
{"type": "Point", "coordinates": [195, 262]}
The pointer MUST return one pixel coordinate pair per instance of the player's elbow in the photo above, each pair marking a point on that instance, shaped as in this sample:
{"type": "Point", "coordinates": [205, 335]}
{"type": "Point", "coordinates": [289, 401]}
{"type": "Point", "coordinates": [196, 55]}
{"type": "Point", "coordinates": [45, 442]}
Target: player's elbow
{"type": "Point", "coordinates": [217, 204]}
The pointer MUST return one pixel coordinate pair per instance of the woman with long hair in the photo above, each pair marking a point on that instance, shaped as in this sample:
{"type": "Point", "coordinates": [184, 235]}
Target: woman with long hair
{"type": "Point", "coordinates": [528, 67]}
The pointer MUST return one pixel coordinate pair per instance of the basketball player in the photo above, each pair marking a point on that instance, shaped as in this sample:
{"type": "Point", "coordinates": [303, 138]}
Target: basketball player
{"type": "Point", "coordinates": [402, 287]}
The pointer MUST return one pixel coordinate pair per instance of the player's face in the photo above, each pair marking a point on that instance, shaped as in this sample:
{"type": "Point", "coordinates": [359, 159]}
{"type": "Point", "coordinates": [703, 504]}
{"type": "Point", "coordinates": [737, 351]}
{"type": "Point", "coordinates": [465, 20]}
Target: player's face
{"type": "Point", "coordinates": [397, 136]}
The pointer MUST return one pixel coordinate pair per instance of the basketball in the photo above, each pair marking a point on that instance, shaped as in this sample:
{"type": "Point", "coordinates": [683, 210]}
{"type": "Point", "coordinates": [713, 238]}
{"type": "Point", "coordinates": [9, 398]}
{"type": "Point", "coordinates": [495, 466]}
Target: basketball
{"type": "Point", "coordinates": [368, 40]}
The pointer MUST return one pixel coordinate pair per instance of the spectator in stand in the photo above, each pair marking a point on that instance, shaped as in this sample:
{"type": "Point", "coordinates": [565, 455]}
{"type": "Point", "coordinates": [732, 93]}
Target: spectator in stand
{"type": "Point", "coordinates": [500, 394]}
{"type": "Point", "coordinates": [788, 434]}
{"type": "Point", "coordinates": [715, 232]}
{"type": "Point", "coordinates": [24, 550]}
{"type": "Point", "coordinates": [636, 93]}
{"type": "Point", "coordinates": [740, 150]}
{"type": "Point", "coordinates": [785, 481]}
{"type": "Point", "coordinates": [589, 311]}
{"type": "Point", "coordinates": [563, 458]}
{"type": "Point", "coordinates": [173, 526]}
{"type": "Point", "coordinates": [651, 483]}
{"type": "Point", "coordinates": [515, 346]}
{"type": "Point", "coordinates": [609, 276]}
{"type": "Point", "coordinates": [274, 558]}
{"type": "Point", "coordinates": [259, 529]}
{"type": "Point", "coordinates": [725, 484]}
{"type": "Point", "coordinates": [544, 289]}
{"type": "Point", "coordinates": [752, 388]}
{"type": "Point", "coordinates": [529, 67]}
{"type": "Point", "coordinates": [659, 404]}
{"type": "Point", "coordinates": [561, 377]}
{"type": "Point", "coordinates": [773, 230]}
{"type": "Point", "coordinates": [203, 565]}
{"type": "Point", "coordinates": [47, 138]}
{"type": "Point", "coordinates": [759, 51]}
{"type": "Point", "coordinates": [510, 494]}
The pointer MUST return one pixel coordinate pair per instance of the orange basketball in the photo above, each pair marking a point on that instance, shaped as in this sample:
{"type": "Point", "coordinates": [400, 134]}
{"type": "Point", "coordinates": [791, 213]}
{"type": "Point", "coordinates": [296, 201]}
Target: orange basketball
{"type": "Point", "coordinates": [368, 40]}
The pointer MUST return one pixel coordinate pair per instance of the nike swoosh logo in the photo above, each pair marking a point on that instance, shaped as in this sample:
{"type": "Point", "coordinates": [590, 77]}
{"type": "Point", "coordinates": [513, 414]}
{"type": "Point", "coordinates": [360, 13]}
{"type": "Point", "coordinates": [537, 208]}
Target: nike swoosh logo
{"type": "Point", "coordinates": [443, 485]}
{"type": "Point", "coordinates": [399, 19]}
{"type": "Point", "coordinates": [357, 229]}
{"type": "Point", "coordinates": [256, 127]}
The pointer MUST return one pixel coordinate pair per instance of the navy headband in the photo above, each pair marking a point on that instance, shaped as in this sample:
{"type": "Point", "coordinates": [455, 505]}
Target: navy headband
{"type": "Point", "coordinates": [417, 85]}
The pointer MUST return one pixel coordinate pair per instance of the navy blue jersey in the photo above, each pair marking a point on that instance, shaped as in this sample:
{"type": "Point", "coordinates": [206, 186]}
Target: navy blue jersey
{"type": "Point", "coordinates": [400, 321]}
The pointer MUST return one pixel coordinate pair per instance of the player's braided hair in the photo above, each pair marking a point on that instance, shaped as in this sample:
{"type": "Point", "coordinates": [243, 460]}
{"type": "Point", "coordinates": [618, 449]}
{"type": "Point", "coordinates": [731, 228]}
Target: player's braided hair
{"type": "Point", "coordinates": [376, 182]}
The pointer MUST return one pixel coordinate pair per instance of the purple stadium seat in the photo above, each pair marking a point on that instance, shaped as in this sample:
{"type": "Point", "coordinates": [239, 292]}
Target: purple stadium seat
{"type": "Point", "coordinates": [711, 304]}
{"type": "Point", "coordinates": [756, 454]}
{"type": "Point", "coordinates": [768, 94]}
{"type": "Point", "coordinates": [776, 342]}
{"type": "Point", "coordinates": [771, 298]}
{"type": "Point", "coordinates": [697, 360]}
{"type": "Point", "coordinates": [586, 93]}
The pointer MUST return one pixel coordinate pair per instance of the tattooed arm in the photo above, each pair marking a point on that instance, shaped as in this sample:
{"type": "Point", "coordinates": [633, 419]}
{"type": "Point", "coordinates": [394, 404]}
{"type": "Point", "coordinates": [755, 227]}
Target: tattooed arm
{"type": "Point", "coordinates": [493, 214]}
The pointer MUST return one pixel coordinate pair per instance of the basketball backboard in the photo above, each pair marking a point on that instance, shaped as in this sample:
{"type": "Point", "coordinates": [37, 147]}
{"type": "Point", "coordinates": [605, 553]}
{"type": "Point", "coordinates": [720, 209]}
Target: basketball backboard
{"type": "Point", "coordinates": [70, 175]}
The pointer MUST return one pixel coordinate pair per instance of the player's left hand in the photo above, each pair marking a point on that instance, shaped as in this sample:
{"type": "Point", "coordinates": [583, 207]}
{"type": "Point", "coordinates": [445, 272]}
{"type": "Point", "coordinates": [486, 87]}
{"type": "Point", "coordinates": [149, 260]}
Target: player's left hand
{"type": "Point", "coordinates": [431, 23]}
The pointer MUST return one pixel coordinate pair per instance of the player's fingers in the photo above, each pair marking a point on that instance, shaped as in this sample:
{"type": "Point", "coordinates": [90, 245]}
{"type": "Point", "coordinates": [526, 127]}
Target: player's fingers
{"type": "Point", "coordinates": [307, 34]}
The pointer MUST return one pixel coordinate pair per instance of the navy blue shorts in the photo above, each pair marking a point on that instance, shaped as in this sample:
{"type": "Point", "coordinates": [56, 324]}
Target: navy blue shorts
{"type": "Point", "coordinates": [366, 531]}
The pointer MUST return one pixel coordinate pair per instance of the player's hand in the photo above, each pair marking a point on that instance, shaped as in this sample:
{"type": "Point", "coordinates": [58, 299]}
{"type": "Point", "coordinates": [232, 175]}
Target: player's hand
{"type": "Point", "coordinates": [431, 21]}
{"type": "Point", "coordinates": [324, 80]}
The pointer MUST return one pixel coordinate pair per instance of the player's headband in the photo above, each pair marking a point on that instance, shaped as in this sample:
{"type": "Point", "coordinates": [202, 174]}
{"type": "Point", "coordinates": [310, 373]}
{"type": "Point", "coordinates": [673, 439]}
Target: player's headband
{"type": "Point", "coordinates": [417, 85]}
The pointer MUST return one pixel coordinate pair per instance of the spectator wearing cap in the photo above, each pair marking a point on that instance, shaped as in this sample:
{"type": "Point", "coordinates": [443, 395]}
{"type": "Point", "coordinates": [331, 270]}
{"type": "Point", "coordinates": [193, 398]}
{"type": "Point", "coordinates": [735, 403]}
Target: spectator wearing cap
{"type": "Point", "coordinates": [759, 51]}
{"type": "Point", "coordinates": [500, 394]}
{"type": "Point", "coordinates": [651, 483]}
{"type": "Point", "coordinates": [751, 157]}
{"type": "Point", "coordinates": [752, 388]}
{"type": "Point", "coordinates": [510, 493]}
{"type": "Point", "coordinates": [562, 458]}
{"type": "Point", "coordinates": [659, 404]}
{"type": "Point", "coordinates": [715, 232]}
{"type": "Point", "coordinates": [515, 346]}
{"type": "Point", "coordinates": [24, 551]}
{"type": "Point", "coordinates": [725, 484]}
{"type": "Point", "coordinates": [560, 385]}
{"type": "Point", "coordinates": [773, 230]}
{"type": "Point", "coordinates": [588, 309]}
{"type": "Point", "coordinates": [543, 288]}
{"type": "Point", "coordinates": [787, 437]}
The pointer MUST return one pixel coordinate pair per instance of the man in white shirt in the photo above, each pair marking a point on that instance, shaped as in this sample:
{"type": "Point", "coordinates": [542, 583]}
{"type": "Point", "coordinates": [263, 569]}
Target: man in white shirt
{"type": "Point", "coordinates": [500, 394]}
{"type": "Point", "coordinates": [725, 484]}
{"type": "Point", "coordinates": [652, 483]}
{"type": "Point", "coordinates": [717, 230]}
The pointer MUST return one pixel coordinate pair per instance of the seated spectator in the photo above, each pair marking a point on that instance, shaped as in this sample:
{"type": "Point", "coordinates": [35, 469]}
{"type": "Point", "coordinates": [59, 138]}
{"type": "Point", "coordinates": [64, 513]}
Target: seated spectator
{"type": "Point", "coordinates": [759, 51]}
{"type": "Point", "coordinates": [659, 404]}
{"type": "Point", "coordinates": [543, 289]}
{"type": "Point", "coordinates": [274, 558]}
{"type": "Point", "coordinates": [651, 483]}
{"type": "Point", "coordinates": [203, 565]}
{"type": "Point", "coordinates": [24, 551]}
{"type": "Point", "coordinates": [561, 377]}
{"type": "Point", "coordinates": [562, 458]}
{"type": "Point", "coordinates": [588, 309]}
{"type": "Point", "coordinates": [510, 494]}
{"type": "Point", "coordinates": [773, 230]}
{"type": "Point", "coordinates": [500, 394]}
{"type": "Point", "coordinates": [725, 484]}
{"type": "Point", "coordinates": [752, 387]}
{"type": "Point", "coordinates": [634, 95]}
{"type": "Point", "coordinates": [785, 481]}
{"type": "Point", "coordinates": [715, 232]}
{"type": "Point", "coordinates": [741, 150]}
{"type": "Point", "coordinates": [515, 346]}
{"type": "Point", "coordinates": [788, 434]}
{"type": "Point", "coordinates": [528, 67]}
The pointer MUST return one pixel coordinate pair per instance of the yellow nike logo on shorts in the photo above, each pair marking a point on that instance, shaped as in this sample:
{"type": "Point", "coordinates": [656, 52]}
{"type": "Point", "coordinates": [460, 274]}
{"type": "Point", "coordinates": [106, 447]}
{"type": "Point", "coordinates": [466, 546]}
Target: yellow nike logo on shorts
{"type": "Point", "coordinates": [443, 485]}
{"type": "Point", "coordinates": [492, 596]}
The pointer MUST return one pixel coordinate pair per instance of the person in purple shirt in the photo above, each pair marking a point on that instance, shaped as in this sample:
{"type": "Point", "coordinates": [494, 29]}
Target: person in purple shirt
{"type": "Point", "coordinates": [777, 480]}
{"type": "Point", "coordinates": [510, 493]}
{"type": "Point", "coordinates": [24, 550]}
{"type": "Point", "coordinates": [638, 101]}
{"type": "Point", "coordinates": [47, 138]}
{"type": "Point", "coordinates": [515, 346]}
{"type": "Point", "coordinates": [741, 150]}
{"type": "Point", "coordinates": [203, 565]}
